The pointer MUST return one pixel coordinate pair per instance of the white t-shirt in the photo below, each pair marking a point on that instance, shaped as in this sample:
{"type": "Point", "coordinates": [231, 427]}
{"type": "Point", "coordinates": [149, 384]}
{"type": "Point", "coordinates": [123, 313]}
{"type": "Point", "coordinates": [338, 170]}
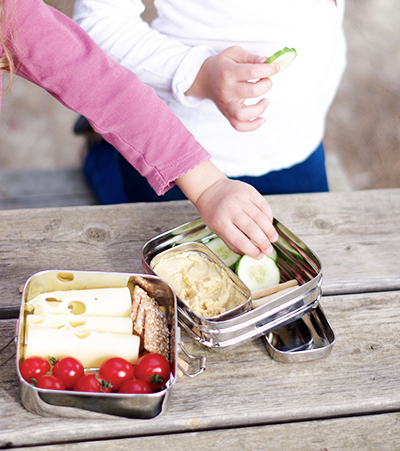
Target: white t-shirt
{"type": "Point", "coordinates": [168, 54]}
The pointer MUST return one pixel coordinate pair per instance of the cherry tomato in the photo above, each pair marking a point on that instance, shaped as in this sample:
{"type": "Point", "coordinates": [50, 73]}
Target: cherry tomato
{"type": "Point", "coordinates": [116, 370]}
{"type": "Point", "coordinates": [50, 382]}
{"type": "Point", "coordinates": [33, 367]}
{"type": "Point", "coordinates": [154, 369]}
{"type": "Point", "coordinates": [92, 382]}
{"type": "Point", "coordinates": [69, 370]}
{"type": "Point", "coordinates": [135, 386]}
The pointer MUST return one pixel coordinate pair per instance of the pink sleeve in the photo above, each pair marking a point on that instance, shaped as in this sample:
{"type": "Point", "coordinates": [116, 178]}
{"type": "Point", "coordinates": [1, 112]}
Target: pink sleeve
{"type": "Point", "coordinates": [53, 52]}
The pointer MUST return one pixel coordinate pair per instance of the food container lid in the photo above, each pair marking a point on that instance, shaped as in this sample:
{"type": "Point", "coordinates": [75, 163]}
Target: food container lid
{"type": "Point", "coordinates": [307, 338]}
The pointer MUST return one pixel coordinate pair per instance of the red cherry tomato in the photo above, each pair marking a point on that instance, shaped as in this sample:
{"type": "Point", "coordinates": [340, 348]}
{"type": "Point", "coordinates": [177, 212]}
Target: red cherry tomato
{"type": "Point", "coordinates": [92, 382]}
{"type": "Point", "coordinates": [135, 386]}
{"type": "Point", "coordinates": [116, 370]}
{"type": "Point", "coordinates": [50, 382]}
{"type": "Point", "coordinates": [69, 370]}
{"type": "Point", "coordinates": [33, 367]}
{"type": "Point", "coordinates": [154, 369]}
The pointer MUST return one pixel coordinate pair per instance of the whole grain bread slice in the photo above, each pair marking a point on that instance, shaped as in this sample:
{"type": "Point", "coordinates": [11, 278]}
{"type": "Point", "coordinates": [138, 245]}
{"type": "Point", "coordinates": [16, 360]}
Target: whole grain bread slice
{"type": "Point", "coordinates": [149, 323]}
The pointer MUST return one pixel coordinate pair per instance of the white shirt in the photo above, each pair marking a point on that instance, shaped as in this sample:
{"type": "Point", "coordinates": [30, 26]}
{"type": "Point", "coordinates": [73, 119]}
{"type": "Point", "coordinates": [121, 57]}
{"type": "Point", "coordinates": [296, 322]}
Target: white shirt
{"type": "Point", "coordinates": [168, 54]}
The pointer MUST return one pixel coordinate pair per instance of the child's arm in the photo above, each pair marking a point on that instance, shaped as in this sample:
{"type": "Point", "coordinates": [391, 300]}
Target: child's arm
{"type": "Point", "coordinates": [165, 64]}
{"type": "Point", "coordinates": [234, 210]}
{"type": "Point", "coordinates": [198, 71]}
{"type": "Point", "coordinates": [224, 78]}
{"type": "Point", "coordinates": [56, 54]}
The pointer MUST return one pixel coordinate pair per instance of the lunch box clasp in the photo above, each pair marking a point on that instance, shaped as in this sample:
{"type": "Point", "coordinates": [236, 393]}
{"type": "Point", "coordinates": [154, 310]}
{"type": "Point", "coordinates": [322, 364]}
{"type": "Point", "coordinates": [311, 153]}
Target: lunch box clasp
{"type": "Point", "coordinates": [202, 362]}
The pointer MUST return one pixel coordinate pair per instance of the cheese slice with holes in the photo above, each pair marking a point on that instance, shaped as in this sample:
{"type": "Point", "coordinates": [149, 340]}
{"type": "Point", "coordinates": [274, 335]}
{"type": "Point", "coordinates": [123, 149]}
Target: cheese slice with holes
{"type": "Point", "coordinates": [113, 324]}
{"type": "Point", "coordinates": [92, 302]}
{"type": "Point", "coordinates": [90, 347]}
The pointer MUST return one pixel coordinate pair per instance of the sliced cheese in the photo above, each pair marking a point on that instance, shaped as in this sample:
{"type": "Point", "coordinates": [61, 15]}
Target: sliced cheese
{"type": "Point", "coordinates": [97, 302]}
{"type": "Point", "coordinates": [91, 348]}
{"type": "Point", "coordinates": [113, 324]}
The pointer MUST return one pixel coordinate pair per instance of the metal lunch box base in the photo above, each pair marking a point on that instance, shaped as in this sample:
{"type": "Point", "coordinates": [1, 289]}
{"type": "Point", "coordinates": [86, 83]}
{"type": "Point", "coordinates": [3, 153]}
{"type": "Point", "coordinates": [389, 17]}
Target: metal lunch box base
{"type": "Point", "coordinates": [295, 261]}
{"type": "Point", "coordinates": [103, 405]}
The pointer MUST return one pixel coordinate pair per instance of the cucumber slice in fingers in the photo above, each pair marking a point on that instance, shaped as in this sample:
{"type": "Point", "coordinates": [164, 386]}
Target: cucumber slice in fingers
{"type": "Point", "coordinates": [222, 251]}
{"type": "Point", "coordinates": [284, 57]}
{"type": "Point", "coordinates": [257, 274]}
{"type": "Point", "coordinates": [274, 255]}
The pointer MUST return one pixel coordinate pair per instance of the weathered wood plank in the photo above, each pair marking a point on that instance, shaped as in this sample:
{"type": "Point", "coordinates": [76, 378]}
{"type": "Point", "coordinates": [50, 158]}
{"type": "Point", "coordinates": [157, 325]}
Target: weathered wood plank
{"type": "Point", "coordinates": [367, 433]}
{"type": "Point", "coordinates": [94, 238]}
{"type": "Point", "coordinates": [244, 387]}
{"type": "Point", "coordinates": [44, 189]}
{"type": "Point", "coordinates": [354, 234]}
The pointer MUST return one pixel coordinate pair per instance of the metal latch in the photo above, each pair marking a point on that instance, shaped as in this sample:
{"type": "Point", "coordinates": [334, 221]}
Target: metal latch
{"type": "Point", "coordinates": [202, 362]}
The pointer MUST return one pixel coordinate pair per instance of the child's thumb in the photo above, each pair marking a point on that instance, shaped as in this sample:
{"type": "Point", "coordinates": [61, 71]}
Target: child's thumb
{"type": "Point", "coordinates": [260, 59]}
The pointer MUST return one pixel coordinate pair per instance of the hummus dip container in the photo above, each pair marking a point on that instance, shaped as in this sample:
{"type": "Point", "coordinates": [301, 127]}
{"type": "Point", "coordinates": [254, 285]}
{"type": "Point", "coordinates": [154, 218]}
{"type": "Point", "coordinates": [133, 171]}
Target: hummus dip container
{"type": "Point", "coordinates": [96, 405]}
{"type": "Point", "coordinates": [295, 261]}
{"type": "Point", "coordinates": [186, 250]}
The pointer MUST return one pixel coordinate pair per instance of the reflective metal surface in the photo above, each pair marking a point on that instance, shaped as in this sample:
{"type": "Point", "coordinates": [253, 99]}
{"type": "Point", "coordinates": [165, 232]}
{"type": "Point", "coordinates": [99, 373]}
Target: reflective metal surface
{"type": "Point", "coordinates": [295, 261]}
{"type": "Point", "coordinates": [89, 405]}
{"type": "Point", "coordinates": [204, 251]}
{"type": "Point", "coordinates": [307, 338]}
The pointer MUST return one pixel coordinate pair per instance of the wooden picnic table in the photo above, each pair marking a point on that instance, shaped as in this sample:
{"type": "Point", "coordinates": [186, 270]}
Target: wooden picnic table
{"type": "Point", "coordinates": [244, 400]}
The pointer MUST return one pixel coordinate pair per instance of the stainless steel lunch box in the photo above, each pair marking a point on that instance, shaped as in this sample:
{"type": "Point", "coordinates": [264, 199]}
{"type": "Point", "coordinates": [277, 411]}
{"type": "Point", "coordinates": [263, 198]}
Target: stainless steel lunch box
{"type": "Point", "coordinates": [295, 261]}
{"type": "Point", "coordinates": [90, 405]}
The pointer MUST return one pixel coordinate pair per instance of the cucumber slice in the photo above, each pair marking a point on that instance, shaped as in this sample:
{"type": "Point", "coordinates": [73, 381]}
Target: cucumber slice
{"type": "Point", "coordinates": [274, 255]}
{"type": "Point", "coordinates": [222, 251]}
{"type": "Point", "coordinates": [284, 57]}
{"type": "Point", "coordinates": [257, 274]}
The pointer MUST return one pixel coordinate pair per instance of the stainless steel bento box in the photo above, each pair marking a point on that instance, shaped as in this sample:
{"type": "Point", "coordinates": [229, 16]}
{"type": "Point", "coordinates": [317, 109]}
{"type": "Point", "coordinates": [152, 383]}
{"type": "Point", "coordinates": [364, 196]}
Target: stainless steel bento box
{"type": "Point", "coordinates": [96, 405]}
{"type": "Point", "coordinates": [295, 261]}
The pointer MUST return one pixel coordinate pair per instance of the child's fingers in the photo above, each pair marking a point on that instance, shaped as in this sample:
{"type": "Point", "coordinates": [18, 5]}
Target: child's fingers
{"type": "Point", "coordinates": [245, 118]}
{"type": "Point", "coordinates": [238, 242]}
{"type": "Point", "coordinates": [245, 72]}
{"type": "Point", "coordinates": [258, 229]}
{"type": "Point", "coordinates": [247, 126]}
{"type": "Point", "coordinates": [249, 90]}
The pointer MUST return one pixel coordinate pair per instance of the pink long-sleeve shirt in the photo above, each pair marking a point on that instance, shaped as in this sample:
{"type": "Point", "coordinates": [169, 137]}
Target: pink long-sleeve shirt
{"type": "Point", "coordinates": [50, 50]}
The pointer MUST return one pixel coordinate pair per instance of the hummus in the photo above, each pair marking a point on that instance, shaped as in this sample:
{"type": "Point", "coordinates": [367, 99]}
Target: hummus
{"type": "Point", "coordinates": [203, 285]}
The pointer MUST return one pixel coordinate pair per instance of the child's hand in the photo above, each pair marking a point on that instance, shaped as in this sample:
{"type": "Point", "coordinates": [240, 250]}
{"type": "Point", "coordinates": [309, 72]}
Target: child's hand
{"type": "Point", "coordinates": [224, 78]}
{"type": "Point", "coordinates": [234, 210]}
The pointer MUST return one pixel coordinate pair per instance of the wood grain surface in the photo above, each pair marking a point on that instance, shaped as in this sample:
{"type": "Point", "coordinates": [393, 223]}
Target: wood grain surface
{"type": "Point", "coordinates": [355, 236]}
{"type": "Point", "coordinates": [245, 387]}
{"type": "Point", "coordinates": [364, 433]}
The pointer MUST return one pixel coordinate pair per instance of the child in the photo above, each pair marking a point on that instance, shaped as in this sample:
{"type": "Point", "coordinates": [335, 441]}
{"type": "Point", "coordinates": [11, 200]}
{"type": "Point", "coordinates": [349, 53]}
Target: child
{"type": "Point", "coordinates": [199, 57]}
{"type": "Point", "coordinates": [44, 46]}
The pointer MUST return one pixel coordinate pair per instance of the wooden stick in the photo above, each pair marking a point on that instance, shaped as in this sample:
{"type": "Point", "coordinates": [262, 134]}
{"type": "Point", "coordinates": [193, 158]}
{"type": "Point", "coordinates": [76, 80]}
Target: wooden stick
{"type": "Point", "coordinates": [274, 289]}
{"type": "Point", "coordinates": [183, 365]}
{"type": "Point", "coordinates": [261, 301]}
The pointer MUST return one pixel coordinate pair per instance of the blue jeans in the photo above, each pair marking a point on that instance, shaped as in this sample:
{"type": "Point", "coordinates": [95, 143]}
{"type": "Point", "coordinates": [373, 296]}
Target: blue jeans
{"type": "Point", "coordinates": [306, 177]}
{"type": "Point", "coordinates": [102, 172]}
{"type": "Point", "coordinates": [114, 180]}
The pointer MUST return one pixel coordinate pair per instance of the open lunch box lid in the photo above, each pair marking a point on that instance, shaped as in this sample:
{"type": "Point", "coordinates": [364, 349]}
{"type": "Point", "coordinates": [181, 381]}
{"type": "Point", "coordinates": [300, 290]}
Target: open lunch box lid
{"type": "Point", "coordinates": [295, 261]}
